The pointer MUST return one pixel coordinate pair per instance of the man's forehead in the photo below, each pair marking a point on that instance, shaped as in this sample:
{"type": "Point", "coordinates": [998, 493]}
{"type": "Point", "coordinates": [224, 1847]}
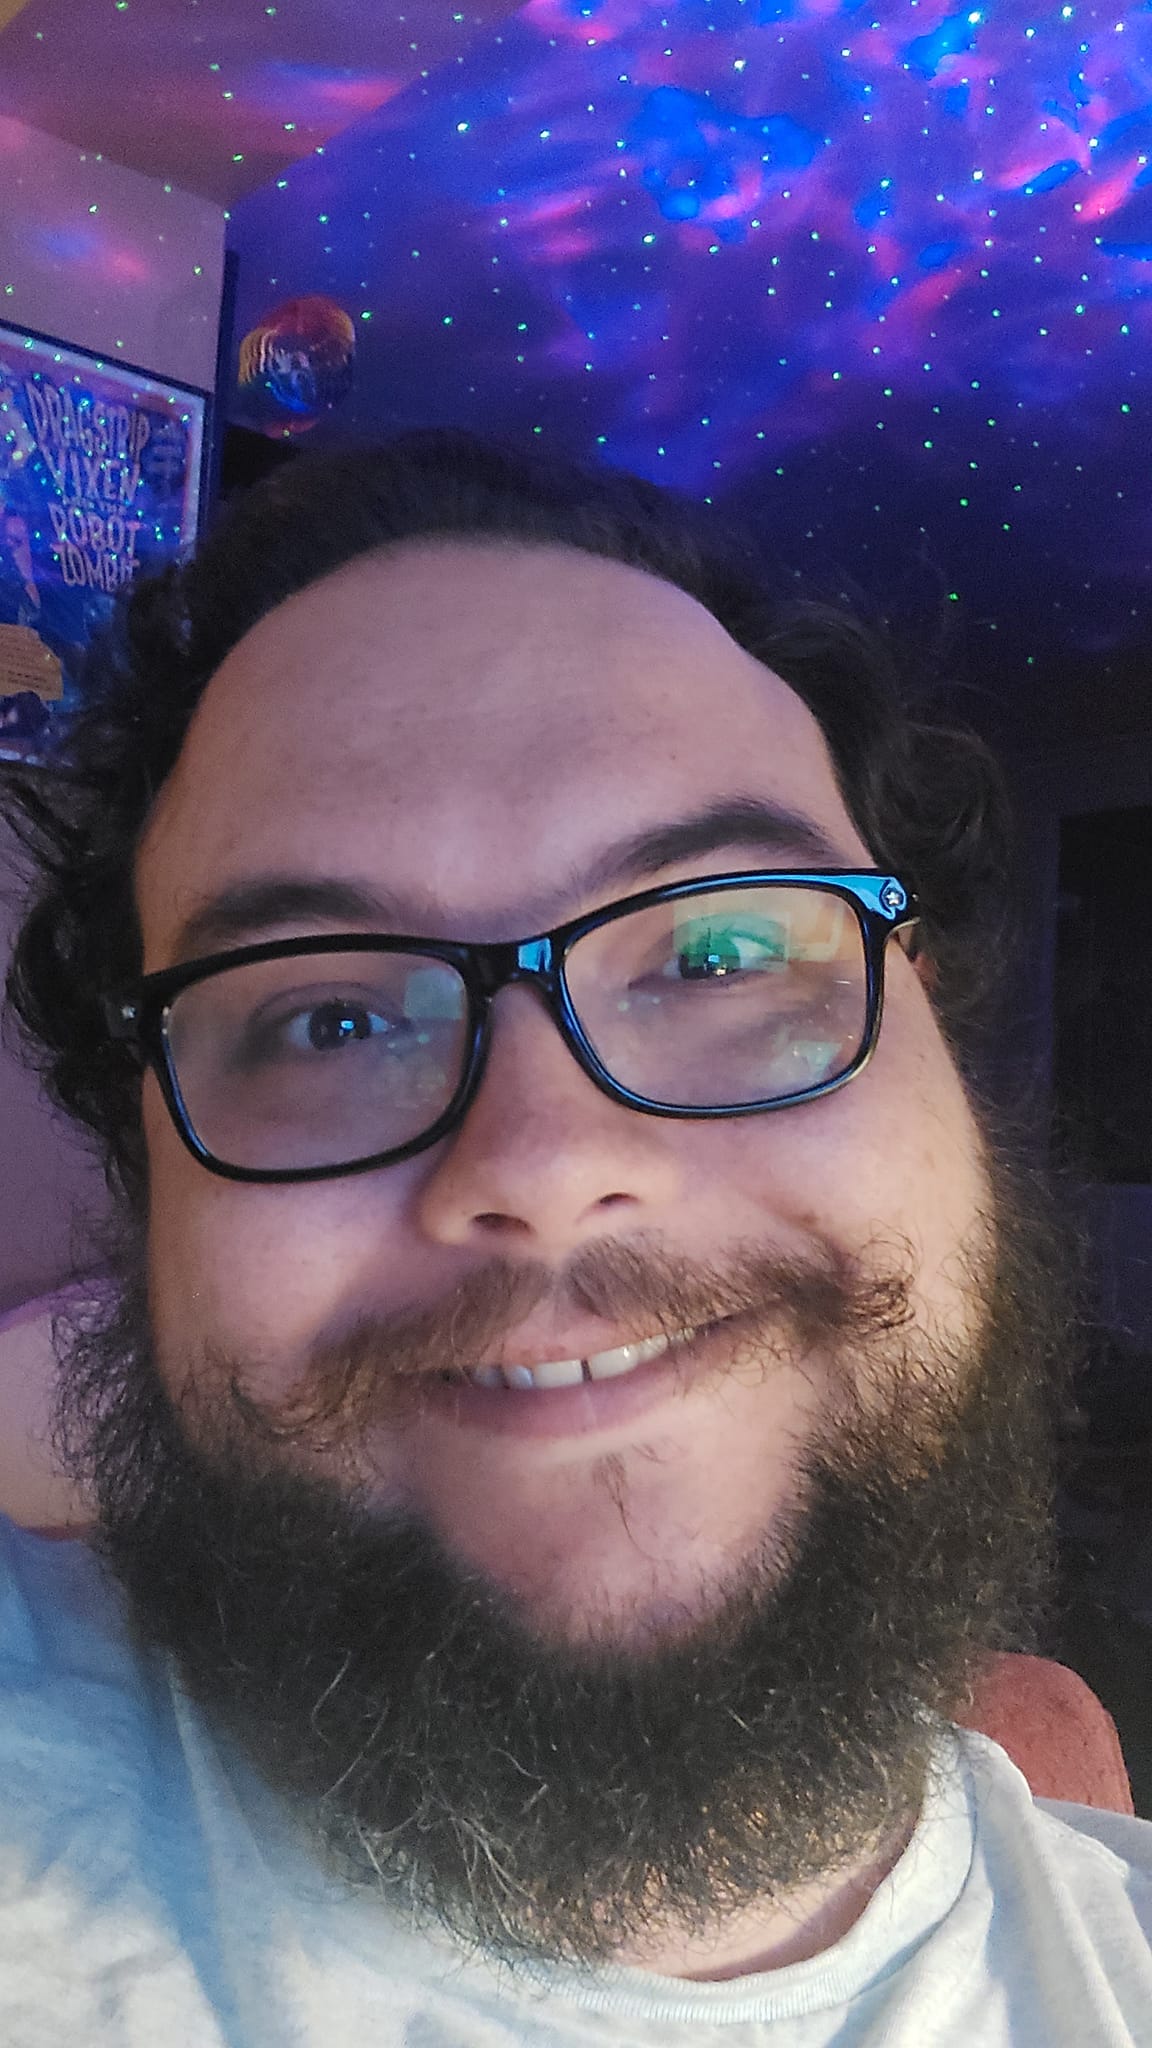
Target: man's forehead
{"type": "Point", "coordinates": [500, 641]}
{"type": "Point", "coordinates": [448, 706]}
{"type": "Point", "coordinates": [473, 619]}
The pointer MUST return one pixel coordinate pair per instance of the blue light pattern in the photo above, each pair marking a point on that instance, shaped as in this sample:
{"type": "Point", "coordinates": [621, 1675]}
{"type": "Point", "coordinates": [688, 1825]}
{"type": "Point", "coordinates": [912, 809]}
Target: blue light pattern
{"type": "Point", "coordinates": [879, 274]}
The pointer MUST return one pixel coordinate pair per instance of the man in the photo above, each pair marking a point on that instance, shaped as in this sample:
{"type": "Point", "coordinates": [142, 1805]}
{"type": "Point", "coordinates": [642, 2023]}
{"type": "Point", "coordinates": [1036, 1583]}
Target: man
{"type": "Point", "coordinates": [17, 539]}
{"type": "Point", "coordinates": [575, 1412]}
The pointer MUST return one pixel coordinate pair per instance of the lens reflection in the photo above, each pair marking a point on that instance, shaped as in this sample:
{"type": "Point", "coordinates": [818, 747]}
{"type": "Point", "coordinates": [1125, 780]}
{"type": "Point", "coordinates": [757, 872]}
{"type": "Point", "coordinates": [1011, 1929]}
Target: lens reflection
{"type": "Point", "coordinates": [736, 996]}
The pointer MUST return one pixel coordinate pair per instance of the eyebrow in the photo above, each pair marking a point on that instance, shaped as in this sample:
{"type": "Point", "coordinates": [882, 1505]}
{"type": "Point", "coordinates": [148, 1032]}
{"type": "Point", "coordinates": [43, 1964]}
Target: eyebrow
{"type": "Point", "coordinates": [246, 909]}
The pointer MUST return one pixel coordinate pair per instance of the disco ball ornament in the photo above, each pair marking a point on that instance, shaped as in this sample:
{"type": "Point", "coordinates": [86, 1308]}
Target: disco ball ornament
{"type": "Point", "coordinates": [298, 363]}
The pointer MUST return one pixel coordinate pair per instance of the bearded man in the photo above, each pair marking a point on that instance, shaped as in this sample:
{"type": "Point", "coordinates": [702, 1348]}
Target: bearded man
{"type": "Point", "coordinates": [575, 1410]}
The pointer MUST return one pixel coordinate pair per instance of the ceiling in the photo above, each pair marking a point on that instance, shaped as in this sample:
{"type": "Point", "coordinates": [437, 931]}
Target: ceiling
{"type": "Point", "coordinates": [879, 274]}
{"type": "Point", "coordinates": [217, 95]}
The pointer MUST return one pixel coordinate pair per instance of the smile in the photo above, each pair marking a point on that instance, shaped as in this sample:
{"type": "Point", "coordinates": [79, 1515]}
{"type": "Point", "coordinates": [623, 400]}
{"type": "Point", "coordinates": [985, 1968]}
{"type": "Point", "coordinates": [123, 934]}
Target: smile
{"type": "Point", "coordinates": [584, 1396]}
{"type": "Point", "coordinates": [571, 1372]}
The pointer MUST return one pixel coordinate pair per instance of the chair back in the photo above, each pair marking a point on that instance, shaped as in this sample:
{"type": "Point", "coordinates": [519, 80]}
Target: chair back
{"type": "Point", "coordinates": [1054, 1729]}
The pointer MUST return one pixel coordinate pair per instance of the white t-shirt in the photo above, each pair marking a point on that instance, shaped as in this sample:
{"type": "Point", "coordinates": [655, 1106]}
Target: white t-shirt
{"type": "Point", "coordinates": [153, 1895]}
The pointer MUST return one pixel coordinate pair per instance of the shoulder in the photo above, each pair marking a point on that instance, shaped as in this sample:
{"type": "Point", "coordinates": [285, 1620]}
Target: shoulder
{"type": "Point", "coordinates": [62, 1619]}
{"type": "Point", "coordinates": [1087, 1855]}
{"type": "Point", "coordinates": [1121, 1837]}
{"type": "Point", "coordinates": [87, 1734]}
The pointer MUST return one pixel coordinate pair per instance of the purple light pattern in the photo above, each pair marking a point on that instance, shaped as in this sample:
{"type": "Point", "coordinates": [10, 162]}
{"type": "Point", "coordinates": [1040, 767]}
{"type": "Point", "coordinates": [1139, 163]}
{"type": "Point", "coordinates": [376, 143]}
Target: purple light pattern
{"type": "Point", "coordinates": [880, 273]}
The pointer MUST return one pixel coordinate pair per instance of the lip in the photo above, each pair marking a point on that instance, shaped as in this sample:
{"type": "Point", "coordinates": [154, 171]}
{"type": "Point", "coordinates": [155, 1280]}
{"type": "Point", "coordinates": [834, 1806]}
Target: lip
{"type": "Point", "coordinates": [565, 1411]}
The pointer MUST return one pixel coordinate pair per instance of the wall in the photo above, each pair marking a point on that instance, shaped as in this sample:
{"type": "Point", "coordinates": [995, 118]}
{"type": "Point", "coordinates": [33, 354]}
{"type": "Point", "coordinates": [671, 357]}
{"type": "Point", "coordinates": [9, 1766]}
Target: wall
{"type": "Point", "coordinates": [122, 265]}
{"type": "Point", "coordinates": [96, 255]}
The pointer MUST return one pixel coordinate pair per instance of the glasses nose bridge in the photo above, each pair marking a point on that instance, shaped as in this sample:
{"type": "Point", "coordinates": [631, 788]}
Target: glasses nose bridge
{"type": "Point", "coordinates": [535, 961]}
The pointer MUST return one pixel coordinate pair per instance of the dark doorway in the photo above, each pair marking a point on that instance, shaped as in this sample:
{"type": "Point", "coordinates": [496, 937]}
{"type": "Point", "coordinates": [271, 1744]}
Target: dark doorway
{"type": "Point", "coordinates": [1103, 996]}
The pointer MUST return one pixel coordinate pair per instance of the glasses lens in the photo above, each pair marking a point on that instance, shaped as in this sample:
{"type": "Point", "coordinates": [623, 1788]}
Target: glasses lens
{"type": "Point", "coordinates": [318, 1060]}
{"type": "Point", "coordinates": [731, 996]}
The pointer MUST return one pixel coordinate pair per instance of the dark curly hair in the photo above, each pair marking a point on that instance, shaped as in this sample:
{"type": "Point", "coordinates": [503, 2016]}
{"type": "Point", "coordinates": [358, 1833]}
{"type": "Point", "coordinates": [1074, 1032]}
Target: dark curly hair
{"type": "Point", "coordinates": [927, 799]}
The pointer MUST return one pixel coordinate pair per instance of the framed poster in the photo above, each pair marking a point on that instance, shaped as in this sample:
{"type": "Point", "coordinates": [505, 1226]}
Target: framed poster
{"type": "Point", "coordinates": [101, 478]}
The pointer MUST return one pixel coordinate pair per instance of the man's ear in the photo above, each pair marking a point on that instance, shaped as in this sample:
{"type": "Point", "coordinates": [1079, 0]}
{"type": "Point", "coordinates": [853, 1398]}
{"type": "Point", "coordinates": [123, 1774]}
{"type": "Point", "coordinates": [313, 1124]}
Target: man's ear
{"type": "Point", "coordinates": [912, 944]}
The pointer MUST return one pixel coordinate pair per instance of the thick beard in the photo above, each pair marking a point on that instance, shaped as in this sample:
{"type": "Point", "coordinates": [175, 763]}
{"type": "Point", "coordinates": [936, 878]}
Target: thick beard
{"type": "Point", "coordinates": [562, 1801]}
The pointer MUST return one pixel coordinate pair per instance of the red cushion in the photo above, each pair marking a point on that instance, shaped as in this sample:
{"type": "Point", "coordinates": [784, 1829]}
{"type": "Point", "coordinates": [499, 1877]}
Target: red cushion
{"type": "Point", "coordinates": [1054, 1729]}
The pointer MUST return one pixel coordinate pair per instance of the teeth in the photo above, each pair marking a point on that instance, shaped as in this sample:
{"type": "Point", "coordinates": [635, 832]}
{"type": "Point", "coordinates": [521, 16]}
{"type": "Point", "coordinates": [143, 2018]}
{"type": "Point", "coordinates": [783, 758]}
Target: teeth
{"type": "Point", "coordinates": [569, 1372]}
{"type": "Point", "coordinates": [606, 1365]}
{"type": "Point", "coordinates": [559, 1372]}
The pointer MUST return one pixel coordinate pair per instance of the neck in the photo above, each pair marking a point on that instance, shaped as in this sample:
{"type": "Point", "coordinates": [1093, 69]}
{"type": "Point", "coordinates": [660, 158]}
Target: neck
{"type": "Point", "coordinates": [808, 1922]}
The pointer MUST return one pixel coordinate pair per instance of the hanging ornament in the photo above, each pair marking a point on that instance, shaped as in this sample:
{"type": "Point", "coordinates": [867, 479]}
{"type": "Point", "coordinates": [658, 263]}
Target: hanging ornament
{"type": "Point", "coordinates": [297, 364]}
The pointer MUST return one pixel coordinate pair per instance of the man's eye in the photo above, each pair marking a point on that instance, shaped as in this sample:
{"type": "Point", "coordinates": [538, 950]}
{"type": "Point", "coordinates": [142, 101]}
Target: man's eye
{"type": "Point", "coordinates": [712, 954]}
{"type": "Point", "coordinates": [328, 1025]}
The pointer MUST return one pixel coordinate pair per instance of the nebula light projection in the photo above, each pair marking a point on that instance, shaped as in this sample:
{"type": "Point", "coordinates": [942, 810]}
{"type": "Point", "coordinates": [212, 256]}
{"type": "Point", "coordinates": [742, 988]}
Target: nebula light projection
{"type": "Point", "coordinates": [883, 274]}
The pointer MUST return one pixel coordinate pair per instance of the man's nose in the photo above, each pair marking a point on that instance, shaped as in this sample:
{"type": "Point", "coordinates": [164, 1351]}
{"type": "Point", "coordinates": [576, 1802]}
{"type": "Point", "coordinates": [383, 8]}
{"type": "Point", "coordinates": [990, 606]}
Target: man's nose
{"type": "Point", "coordinates": [544, 1159]}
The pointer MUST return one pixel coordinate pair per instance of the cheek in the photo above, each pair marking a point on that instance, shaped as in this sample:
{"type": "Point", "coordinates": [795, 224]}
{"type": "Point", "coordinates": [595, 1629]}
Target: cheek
{"type": "Point", "coordinates": [893, 1159]}
{"type": "Point", "coordinates": [931, 1148]}
{"type": "Point", "coordinates": [261, 1270]}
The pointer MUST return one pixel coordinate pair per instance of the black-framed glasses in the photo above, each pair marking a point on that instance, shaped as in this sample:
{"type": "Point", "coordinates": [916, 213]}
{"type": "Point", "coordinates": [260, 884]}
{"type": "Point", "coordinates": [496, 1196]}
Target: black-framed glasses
{"type": "Point", "coordinates": [300, 1059]}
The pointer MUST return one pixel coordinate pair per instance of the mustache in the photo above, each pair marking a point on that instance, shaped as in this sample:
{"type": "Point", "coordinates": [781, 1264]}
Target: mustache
{"type": "Point", "coordinates": [377, 1368]}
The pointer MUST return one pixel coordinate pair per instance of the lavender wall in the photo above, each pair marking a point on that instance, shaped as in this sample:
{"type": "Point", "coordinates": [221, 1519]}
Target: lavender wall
{"type": "Point", "coordinates": [96, 255]}
{"type": "Point", "coordinates": [125, 266]}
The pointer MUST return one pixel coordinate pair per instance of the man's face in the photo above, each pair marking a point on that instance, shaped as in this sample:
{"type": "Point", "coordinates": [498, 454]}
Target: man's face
{"type": "Point", "coordinates": [467, 730]}
{"type": "Point", "coordinates": [782, 1542]}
